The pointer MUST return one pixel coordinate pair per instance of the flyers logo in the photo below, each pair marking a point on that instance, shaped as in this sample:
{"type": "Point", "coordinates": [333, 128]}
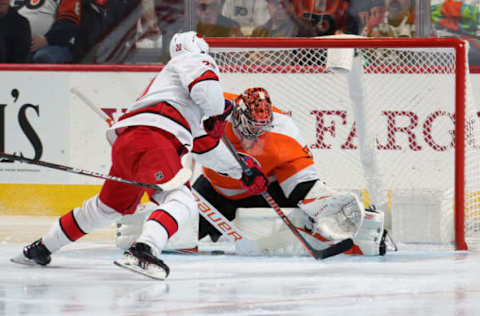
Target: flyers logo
{"type": "Point", "coordinates": [29, 4]}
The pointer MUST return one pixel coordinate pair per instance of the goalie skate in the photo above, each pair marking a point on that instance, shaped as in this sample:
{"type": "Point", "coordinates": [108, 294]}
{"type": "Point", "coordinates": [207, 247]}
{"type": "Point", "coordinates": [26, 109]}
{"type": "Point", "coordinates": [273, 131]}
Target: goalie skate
{"type": "Point", "coordinates": [139, 259]}
{"type": "Point", "coordinates": [34, 254]}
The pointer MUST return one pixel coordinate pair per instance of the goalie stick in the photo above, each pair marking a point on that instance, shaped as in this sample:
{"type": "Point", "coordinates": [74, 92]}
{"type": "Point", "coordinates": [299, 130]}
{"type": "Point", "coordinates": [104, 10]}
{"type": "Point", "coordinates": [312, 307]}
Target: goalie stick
{"type": "Point", "coordinates": [330, 251]}
{"type": "Point", "coordinates": [181, 177]}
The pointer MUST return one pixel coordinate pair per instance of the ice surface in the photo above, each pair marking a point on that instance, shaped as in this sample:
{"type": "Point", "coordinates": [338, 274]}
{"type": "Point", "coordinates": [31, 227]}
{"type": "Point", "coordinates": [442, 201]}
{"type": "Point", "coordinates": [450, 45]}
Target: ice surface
{"type": "Point", "coordinates": [82, 280]}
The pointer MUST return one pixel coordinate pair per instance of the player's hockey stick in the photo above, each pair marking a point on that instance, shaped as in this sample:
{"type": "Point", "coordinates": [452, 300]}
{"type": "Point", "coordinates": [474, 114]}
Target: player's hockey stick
{"type": "Point", "coordinates": [181, 177]}
{"type": "Point", "coordinates": [92, 106]}
{"type": "Point", "coordinates": [333, 250]}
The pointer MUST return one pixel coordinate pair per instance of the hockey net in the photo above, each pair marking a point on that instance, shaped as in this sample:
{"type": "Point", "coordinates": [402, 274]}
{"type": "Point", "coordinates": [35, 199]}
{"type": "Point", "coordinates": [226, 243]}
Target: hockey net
{"type": "Point", "coordinates": [381, 117]}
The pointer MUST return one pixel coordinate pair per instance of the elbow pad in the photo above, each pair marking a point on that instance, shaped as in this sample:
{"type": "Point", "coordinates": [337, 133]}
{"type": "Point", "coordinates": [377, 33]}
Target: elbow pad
{"type": "Point", "coordinates": [208, 95]}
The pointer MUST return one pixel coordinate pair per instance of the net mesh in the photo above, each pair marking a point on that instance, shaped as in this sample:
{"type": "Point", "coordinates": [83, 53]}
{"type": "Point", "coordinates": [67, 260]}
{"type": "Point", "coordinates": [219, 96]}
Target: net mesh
{"type": "Point", "coordinates": [379, 121]}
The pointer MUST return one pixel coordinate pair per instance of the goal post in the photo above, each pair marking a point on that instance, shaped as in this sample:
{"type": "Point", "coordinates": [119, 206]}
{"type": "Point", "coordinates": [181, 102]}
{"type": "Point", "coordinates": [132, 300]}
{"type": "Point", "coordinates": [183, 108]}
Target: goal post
{"type": "Point", "coordinates": [397, 124]}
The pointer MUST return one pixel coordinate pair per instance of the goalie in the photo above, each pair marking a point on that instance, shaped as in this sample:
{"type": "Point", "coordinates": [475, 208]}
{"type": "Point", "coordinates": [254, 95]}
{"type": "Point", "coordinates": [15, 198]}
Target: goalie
{"type": "Point", "coordinates": [267, 137]}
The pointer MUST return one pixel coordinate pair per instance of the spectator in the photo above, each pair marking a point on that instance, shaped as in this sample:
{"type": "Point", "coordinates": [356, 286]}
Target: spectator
{"type": "Point", "coordinates": [248, 13]}
{"type": "Point", "coordinates": [326, 16]}
{"type": "Point", "coordinates": [381, 18]}
{"type": "Point", "coordinates": [54, 26]}
{"type": "Point", "coordinates": [206, 19]}
{"type": "Point", "coordinates": [399, 20]}
{"type": "Point", "coordinates": [211, 23]}
{"type": "Point", "coordinates": [458, 19]}
{"type": "Point", "coordinates": [149, 25]}
{"type": "Point", "coordinates": [361, 13]}
{"type": "Point", "coordinates": [91, 28]}
{"type": "Point", "coordinates": [283, 22]}
{"type": "Point", "coordinates": [15, 35]}
{"type": "Point", "coordinates": [107, 31]}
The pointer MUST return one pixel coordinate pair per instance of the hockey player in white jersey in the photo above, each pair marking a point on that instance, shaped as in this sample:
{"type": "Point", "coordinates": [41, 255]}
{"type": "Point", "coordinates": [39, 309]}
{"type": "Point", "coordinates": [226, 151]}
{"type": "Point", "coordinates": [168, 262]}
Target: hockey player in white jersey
{"type": "Point", "coordinates": [181, 104]}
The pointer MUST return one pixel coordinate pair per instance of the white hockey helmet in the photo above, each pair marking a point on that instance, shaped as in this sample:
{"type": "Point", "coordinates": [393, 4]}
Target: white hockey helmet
{"type": "Point", "coordinates": [187, 42]}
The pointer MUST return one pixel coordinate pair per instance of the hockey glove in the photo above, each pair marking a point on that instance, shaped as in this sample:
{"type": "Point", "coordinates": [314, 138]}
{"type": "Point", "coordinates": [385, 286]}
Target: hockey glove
{"type": "Point", "coordinates": [256, 182]}
{"type": "Point", "coordinates": [215, 125]}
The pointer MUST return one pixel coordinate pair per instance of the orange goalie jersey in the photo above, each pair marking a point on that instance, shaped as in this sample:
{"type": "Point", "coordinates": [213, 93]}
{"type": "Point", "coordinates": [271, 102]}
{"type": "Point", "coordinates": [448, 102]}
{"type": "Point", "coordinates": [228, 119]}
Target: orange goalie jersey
{"type": "Point", "coordinates": [280, 151]}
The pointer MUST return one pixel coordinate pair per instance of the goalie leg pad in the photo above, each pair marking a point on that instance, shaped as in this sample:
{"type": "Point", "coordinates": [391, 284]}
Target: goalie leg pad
{"type": "Point", "coordinates": [334, 217]}
{"type": "Point", "coordinates": [370, 240]}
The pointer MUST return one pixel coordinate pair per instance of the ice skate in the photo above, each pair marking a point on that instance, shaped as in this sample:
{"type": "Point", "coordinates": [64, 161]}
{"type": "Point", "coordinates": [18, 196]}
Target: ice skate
{"type": "Point", "coordinates": [139, 258]}
{"type": "Point", "coordinates": [34, 254]}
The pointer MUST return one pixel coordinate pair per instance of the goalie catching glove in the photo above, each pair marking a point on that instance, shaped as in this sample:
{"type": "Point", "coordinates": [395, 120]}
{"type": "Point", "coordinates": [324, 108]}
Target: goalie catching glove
{"type": "Point", "coordinates": [255, 182]}
{"type": "Point", "coordinates": [215, 125]}
{"type": "Point", "coordinates": [342, 216]}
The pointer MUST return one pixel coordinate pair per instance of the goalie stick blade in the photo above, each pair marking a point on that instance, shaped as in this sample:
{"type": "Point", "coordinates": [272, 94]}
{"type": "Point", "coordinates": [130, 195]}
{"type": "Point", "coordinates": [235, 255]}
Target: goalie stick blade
{"type": "Point", "coordinates": [334, 250]}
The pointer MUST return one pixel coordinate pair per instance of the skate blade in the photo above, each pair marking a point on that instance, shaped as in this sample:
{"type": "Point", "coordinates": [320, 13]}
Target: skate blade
{"type": "Point", "coordinates": [21, 259]}
{"type": "Point", "coordinates": [151, 271]}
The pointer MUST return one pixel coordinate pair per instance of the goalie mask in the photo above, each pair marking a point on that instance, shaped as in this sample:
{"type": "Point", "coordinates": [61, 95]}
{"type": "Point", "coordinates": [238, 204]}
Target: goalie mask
{"type": "Point", "coordinates": [187, 42]}
{"type": "Point", "coordinates": [252, 113]}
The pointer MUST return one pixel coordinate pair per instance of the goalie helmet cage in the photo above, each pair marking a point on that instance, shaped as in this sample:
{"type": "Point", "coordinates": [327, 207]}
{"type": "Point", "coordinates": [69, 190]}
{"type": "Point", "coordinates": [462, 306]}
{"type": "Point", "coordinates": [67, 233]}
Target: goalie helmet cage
{"type": "Point", "coordinates": [381, 117]}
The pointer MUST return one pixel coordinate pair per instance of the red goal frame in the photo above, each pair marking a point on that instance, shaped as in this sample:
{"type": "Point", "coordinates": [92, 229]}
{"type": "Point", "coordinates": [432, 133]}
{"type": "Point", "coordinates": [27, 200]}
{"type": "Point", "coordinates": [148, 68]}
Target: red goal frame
{"type": "Point", "coordinates": [458, 45]}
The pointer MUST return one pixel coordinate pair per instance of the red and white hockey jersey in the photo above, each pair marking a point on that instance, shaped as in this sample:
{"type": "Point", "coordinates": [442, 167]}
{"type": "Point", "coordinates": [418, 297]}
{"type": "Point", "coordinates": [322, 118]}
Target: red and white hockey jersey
{"type": "Point", "coordinates": [177, 100]}
{"type": "Point", "coordinates": [174, 85]}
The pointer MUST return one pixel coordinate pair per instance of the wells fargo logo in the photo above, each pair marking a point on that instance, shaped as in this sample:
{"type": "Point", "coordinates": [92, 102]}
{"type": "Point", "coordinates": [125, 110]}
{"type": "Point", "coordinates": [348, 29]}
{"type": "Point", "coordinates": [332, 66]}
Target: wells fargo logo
{"type": "Point", "coordinates": [394, 130]}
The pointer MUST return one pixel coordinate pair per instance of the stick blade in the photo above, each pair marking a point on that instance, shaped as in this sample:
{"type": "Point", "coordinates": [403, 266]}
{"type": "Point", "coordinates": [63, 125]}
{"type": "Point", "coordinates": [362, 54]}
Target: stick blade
{"type": "Point", "coordinates": [334, 250]}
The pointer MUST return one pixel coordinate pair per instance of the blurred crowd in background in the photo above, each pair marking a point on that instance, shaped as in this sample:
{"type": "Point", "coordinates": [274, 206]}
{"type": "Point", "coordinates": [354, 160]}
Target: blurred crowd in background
{"type": "Point", "coordinates": [138, 31]}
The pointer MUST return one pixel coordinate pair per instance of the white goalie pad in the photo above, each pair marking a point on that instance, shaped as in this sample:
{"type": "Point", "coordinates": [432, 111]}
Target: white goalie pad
{"type": "Point", "coordinates": [370, 236]}
{"type": "Point", "coordinates": [335, 217]}
{"type": "Point", "coordinates": [272, 237]}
